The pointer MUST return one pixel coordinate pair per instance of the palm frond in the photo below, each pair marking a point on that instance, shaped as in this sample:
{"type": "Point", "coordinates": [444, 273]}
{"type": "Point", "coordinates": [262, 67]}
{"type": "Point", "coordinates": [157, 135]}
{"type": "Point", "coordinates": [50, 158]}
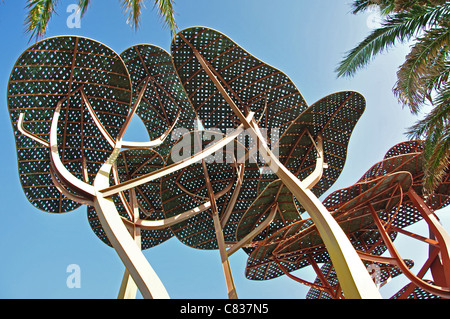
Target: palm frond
{"type": "Point", "coordinates": [83, 4]}
{"type": "Point", "coordinates": [39, 14]}
{"type": "Point", "coordinates": [133, 8]}
{"type": "Point", "coordinates": [434, 129]}
{"type": "Point", "coordinates": [397, 28]}
{"type": "Point", "coordinates": [165, 10]}
{"type": "Point", "coordinates": [167, 13]}
{"type": "Point", "coordinates": [385, 6]}
{"type": "Point", "coordinates": [435, 118]}
{"type": "Point", "coordinates": [413, 85]}
{"type": "Point", "coordinates": [437, 158]}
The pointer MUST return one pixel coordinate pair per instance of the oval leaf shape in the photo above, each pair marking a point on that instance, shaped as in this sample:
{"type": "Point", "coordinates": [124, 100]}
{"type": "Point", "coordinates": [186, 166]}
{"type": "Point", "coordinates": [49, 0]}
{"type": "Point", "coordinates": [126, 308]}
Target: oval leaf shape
{"type": "Point", "coordinates": [164, 104]}
{"type": "Point", "coordinates": [65, 68]}
{"type": "Point", "coordinates": [252, 84]}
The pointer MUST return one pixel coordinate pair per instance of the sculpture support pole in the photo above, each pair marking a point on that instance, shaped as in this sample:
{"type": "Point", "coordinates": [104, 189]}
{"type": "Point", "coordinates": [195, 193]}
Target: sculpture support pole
{"type": "Point", "coordinates": [441, 235]}
{"type": "Point", "coordinates": [231, 288]}
{"type": "Point", "coordinates": [128, 288]}
{"type": "Point", "coordinates": [353, 276]}
{"type": "Point", "coordinates": [134, 260]}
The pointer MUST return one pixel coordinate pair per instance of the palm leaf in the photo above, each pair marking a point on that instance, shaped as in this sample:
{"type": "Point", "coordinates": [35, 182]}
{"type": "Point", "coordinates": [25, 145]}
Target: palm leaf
{"type": "Point", "coordinates": [385, 6]}
{"type": "Point", "coordinates": [413, 85]}
{"type": "Point", "coordinates": [397, 28]}
{"type": "Point", "coordinates": [165, 10]}
{"type": "Point", "coordinates": [437, 159]}
{"type": "Point", "coordinates": [133, 8]}
{"type": "Point", "coordinates": [83, 4]}
{"type": "Point", "coordinates": [39, 13]}
{"type": "Point", "coordinates": [167, 13]}
{"type": "Point", "coordinates": [435, 130]}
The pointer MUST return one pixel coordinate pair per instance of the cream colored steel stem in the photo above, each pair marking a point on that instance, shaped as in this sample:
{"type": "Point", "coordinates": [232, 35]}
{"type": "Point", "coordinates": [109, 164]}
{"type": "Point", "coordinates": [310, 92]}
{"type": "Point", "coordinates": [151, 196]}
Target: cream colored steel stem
{"type": "Point", "coordinates": [109, 191]}
{"type": "Point", "coordinates": [231, 288]}
{"type": "Point", "coordinates": [353, 276]}
{"type": "Point", "coordinates": [312, 179]}
{"type": "Point", "coordinates": [148, 282]}
{"type": "Point", "coordinates": [96, 120]}
{"type": "Point", "coordinates": [234, 196]}
{"type": "Point", "coordinates": [22, 130]}
{"type": "Point", "coordinates": [133, 109]}
{"type": "Point", "coordinates": [73, 183]}
{"type": "Point", "coordinates": [167, 222]}
{"type": "Point", "coordinates": [131, 255]}
{"type": "Point", "coordinates": [308, 182]}
{"type": "Point", "coordinates": [128, 288]}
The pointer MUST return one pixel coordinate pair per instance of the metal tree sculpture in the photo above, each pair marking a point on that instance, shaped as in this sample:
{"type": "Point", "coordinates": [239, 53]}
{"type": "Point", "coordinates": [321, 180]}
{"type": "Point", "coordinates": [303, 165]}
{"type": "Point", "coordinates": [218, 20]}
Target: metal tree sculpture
{"type": "Point", "coordinates": [230, 89]}
{"type": "Point", "coordinates": [72, 99]}
{"type": "Point", "coordinates": [64, 162]}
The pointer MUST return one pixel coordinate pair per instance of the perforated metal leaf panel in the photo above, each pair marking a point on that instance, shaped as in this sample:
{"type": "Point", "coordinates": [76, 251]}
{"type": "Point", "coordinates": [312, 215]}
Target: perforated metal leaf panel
{"type": "Point", "coordinates": [385, 272]}
{"type": "Point", "coordinates": [334, 118]}
{"type": "Point", "coordinates": [274, 194]}
{"type": "Point", "coordinates": [187, 189]}
{"type": "Point", "coordinates": [349, 207]}
{"type": "Point", "coordinates": [252, 84]}
{"type": "Point", "coordinates": [384, 194]}
{"type": "Point", "coordinates": [294, 245]}
{"type": "Point", "coordinates": [412, 163]}
{"type": "Point", "coordinates": [417, 293]}
{"type": "Point", "coordinates": [406, 147]}
{"type": "Point", "coordinates": [52, 70]}
{"type": "Point", "coordinates": [440, 197]}
{"type": "Point", "coordinates": [164, 95]}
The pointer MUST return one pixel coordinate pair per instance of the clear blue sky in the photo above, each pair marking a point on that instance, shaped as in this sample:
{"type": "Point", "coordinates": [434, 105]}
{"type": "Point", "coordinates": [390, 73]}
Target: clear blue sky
{"type": "Point", "coordinates": [304, 39]}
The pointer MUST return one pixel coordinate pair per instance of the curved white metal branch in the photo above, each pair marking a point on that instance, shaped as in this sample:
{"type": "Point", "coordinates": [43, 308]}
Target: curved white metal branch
{"type": "Point", "coordinates": [312, 179]}
{"type": "Point", "coordinates": [97, 122]}
{"type": "Point", "coordinates": [65, 192]}
{"type": "Point", "coordinates": [167, 222]}
{"type": "Point", "coordinates": [25, 132]}
{"type": "Point", "coordinates": [85, 190]}
{"type": "Point", "coordinates": [234, 196]}
{"type": "Point", "coordinates": [133, 109]}
{"type": "Point", "coordinates": [355, 280]}
{"type": "Point", "coordinates": [153, 143]}
{"type": "Point", "coordinates": [109, 191]}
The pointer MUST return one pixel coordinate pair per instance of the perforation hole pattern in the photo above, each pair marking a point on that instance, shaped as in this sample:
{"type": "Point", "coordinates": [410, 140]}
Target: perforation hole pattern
{"type": "Point", "coordinates": [46, 73]}
{"type": "Point", "coordinates": [187, 189]}
{"type": "Point", "coordinates": [334, 118]}
{"type": "Point", "coordinates": [132, 164]}
{"type": "Point", "coordinates": [251, 83]}
{"type": "Point", "coordinates": [164, 95]}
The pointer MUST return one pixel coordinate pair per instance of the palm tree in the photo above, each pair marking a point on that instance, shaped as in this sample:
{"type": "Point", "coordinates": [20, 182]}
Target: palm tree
{"type": "Point", "coordinates": [423, 77]}
{"type": "Point", "coordinates": [40, 13]}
